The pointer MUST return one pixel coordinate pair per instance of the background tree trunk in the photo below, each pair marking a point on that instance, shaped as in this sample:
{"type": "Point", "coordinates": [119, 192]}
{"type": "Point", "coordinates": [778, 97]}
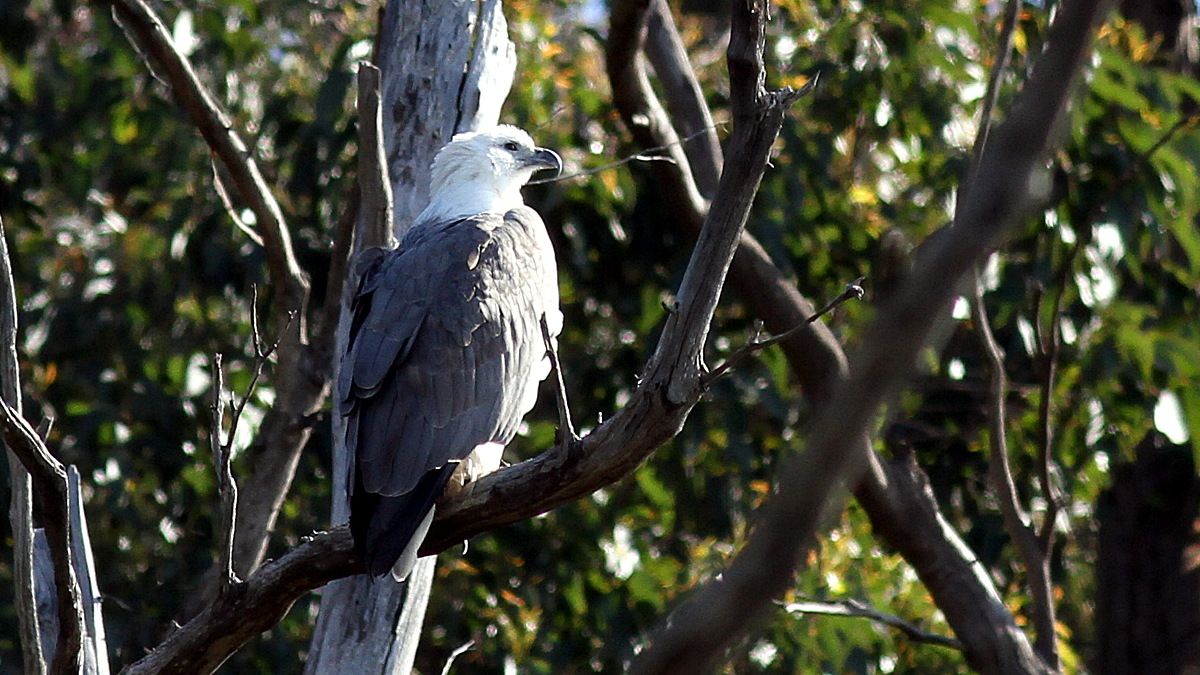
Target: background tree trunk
{"type": "Point", "coordinates": [446, 67]}
{"type": "Point", "coordinates": [1147, 577]}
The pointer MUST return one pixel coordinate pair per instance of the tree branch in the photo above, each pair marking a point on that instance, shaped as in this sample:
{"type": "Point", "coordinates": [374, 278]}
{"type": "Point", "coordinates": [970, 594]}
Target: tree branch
{"type": "Point", "coordinates": [701, 627]}
{"type": "Point", "coordinates": [20, 513]}
{"type": "Point", "coordinates": [1034, 559]}
{"type": "Point", "coordinates": [49, 479]}
{"type": "Point", "coordinates": [854, 608]}
{"type": "Point", "coordinates": [148, 34]}
{"type": "Point", "coordinates": [303, 372]}
{"type": "Point", "coordinates": [253, 606]}
{"type": "Point", "coordinates": [895, 495]}
{"type": "Point", "coordinates": [667, 54]}
{"type": "Point", "coordinates": [853, 291]}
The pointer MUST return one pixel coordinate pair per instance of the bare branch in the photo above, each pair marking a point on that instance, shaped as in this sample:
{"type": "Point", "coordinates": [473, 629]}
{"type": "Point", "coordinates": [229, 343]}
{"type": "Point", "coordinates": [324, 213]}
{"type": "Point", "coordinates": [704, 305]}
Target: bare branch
{"type": "Point", "coordinates": [20, 514]}
{"type": "Point", "coordinates": [855, 608]}
{"type": "Point", "coordinates": [853, 291]}
{"type": "Point", "coordinates": [375, 188]}
{"type": "Point", "coordinates": [95, 644]}
{"type": "Point", "coordinates": [458, 651]}
{"type": "Point", "coordinates": [722, 608]}
{"type": "Point", "coordinates": [303, 373]}
{"type": "Point", "coordinates": [1003, 55]}
{"type": "Point", "coordinates": [684, 97]}
{"type": "Point", "coordinates": [253, 606]}
{"type": "Point", "coordinates": [560, 388]}
{"type": "Point", "coordinates": [1034, 559]}
{"type": "Point", "coordinates": [49, 479]}
{"type": "Point", "coordinates": [152, 39]}
{"type": "Point", "coordinates": [219, 186]}
{"type": "Point", "coordinates": [226, 485]}
{"type": "Point", "coordinates": [895, 495]}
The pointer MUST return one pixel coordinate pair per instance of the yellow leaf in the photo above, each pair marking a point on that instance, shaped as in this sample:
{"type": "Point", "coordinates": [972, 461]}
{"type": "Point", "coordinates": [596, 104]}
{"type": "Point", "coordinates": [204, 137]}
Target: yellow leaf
{"type": "Point", "coordinates": [863, 196]}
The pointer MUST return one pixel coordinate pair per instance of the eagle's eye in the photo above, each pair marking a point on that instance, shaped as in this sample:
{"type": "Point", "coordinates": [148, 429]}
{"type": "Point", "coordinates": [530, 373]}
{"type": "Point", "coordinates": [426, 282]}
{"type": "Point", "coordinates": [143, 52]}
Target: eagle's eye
{"type": "Point", "coordinates": [512, 146]}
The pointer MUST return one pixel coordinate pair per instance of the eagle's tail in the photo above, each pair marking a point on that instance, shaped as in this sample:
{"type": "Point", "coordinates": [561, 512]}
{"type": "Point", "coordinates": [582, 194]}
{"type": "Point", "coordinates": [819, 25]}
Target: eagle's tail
{"type": "Point", "coordinates": [388, 531]}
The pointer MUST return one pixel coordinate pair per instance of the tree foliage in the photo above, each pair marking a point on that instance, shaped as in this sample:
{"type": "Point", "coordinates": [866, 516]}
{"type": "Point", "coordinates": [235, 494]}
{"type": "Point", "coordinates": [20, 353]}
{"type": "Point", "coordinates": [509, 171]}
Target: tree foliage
{"type": "Point", "coordinates": [131, 273]}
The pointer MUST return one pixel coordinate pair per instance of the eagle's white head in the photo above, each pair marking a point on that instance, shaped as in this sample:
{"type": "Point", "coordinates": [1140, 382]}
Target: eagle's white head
{"type": "Point", "coordinates": [483, 171]}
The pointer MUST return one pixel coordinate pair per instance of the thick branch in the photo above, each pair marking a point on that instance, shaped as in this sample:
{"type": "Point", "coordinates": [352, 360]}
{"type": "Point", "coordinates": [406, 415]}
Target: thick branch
{"type": "Point", "coordinates": [685, 98]}
{"type": "Point", "coordinates": [253, 606]}
{"type": "Point", "coordinates": [50, 491]}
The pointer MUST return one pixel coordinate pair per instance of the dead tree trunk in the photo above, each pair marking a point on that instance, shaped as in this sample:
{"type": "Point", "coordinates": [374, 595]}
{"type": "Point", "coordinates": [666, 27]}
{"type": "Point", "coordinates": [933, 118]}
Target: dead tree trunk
{"type": "Point", "coordinates": [446, 67]}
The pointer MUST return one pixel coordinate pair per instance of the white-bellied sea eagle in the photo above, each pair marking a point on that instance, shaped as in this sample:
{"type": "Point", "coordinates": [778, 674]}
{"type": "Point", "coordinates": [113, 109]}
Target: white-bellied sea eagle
{"type": "Point", "coordinates": [446, 350]}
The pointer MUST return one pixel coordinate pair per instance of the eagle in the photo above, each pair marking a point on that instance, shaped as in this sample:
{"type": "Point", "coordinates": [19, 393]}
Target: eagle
{"type": "Point", "coordinates": [446, 348]}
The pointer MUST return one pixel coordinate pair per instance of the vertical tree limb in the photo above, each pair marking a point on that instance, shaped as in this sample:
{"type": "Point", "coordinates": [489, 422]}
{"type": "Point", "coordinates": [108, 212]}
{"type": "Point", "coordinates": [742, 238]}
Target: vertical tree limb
{"type": "Point", "coordinates": [1016, 520]}
{"type": "Point", "coordinates": [49, 479]}
{"type": "Point", "coordinates": [20, 510]}
{"type": "Point", "coordinates": [95, 642]}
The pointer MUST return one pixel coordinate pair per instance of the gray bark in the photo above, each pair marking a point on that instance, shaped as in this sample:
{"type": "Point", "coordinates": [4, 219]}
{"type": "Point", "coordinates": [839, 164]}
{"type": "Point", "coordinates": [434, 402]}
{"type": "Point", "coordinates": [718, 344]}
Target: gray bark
{"type": "Point", "coordinates": [93, 645]}
{"type": "Point", "coordinates": [20, 513]}
{"type": "Point", "coordinates": [446, 67]}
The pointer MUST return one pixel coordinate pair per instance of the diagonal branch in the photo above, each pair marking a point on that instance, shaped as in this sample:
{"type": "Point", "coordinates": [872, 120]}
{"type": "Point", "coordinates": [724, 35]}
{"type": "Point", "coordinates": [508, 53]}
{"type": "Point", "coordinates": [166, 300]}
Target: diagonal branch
{"type": "Point", "coordinates": [685, 98]}
{"type": "Point", "coordinates": [152, 39]}
{"type": "Point", "coordinates": [895, 494]}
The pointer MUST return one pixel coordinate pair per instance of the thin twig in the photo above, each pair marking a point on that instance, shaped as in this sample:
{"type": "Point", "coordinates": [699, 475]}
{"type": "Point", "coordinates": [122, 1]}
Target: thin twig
{"type": "Point", "coordinates": [855, 608]}
{"type": "Point", "coordinates": [641, 156]}
{"type": "Point", "coordinates": [459, 651]}
{"type": "Point", "coordinates": [853, 291]}
{"type": "Point", "coordinates": [1014, 517]}
{"type": "Point", "coordinates": [223, 193]}
{"type": "Point", "coordinates": [560, 387]}
{"type": "Point", "coordinates": [1003, 55]}
{"type": "Point", "coordinates": [226, 485]}
{"type": "Point", "coordinates": [223, 449]}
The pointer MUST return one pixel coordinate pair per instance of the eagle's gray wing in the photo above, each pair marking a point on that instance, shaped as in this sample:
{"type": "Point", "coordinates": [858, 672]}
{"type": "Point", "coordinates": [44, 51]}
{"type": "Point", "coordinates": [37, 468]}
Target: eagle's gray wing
{"type": "Point", "coordinates": [444, 354]}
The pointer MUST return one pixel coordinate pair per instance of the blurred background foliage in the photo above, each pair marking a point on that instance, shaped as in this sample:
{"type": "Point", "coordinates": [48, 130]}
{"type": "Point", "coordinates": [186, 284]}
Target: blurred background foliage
{"type": "Point", "coordinates": [130, 273]}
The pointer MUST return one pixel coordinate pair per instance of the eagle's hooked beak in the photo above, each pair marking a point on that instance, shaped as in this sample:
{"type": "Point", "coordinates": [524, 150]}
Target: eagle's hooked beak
{"type": "Point", "coordinates": [544, 158]}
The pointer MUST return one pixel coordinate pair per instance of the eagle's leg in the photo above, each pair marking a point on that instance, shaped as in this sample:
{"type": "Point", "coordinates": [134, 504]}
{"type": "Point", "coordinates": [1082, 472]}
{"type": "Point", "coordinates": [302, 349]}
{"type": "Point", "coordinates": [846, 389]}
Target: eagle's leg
{"type": "Point", "coordinates": [564, 411]}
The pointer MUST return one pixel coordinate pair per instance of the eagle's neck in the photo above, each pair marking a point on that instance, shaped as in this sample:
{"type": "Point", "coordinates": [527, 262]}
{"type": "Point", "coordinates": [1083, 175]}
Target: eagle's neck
{"type": "Point", "coordinates": [461, 192]}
